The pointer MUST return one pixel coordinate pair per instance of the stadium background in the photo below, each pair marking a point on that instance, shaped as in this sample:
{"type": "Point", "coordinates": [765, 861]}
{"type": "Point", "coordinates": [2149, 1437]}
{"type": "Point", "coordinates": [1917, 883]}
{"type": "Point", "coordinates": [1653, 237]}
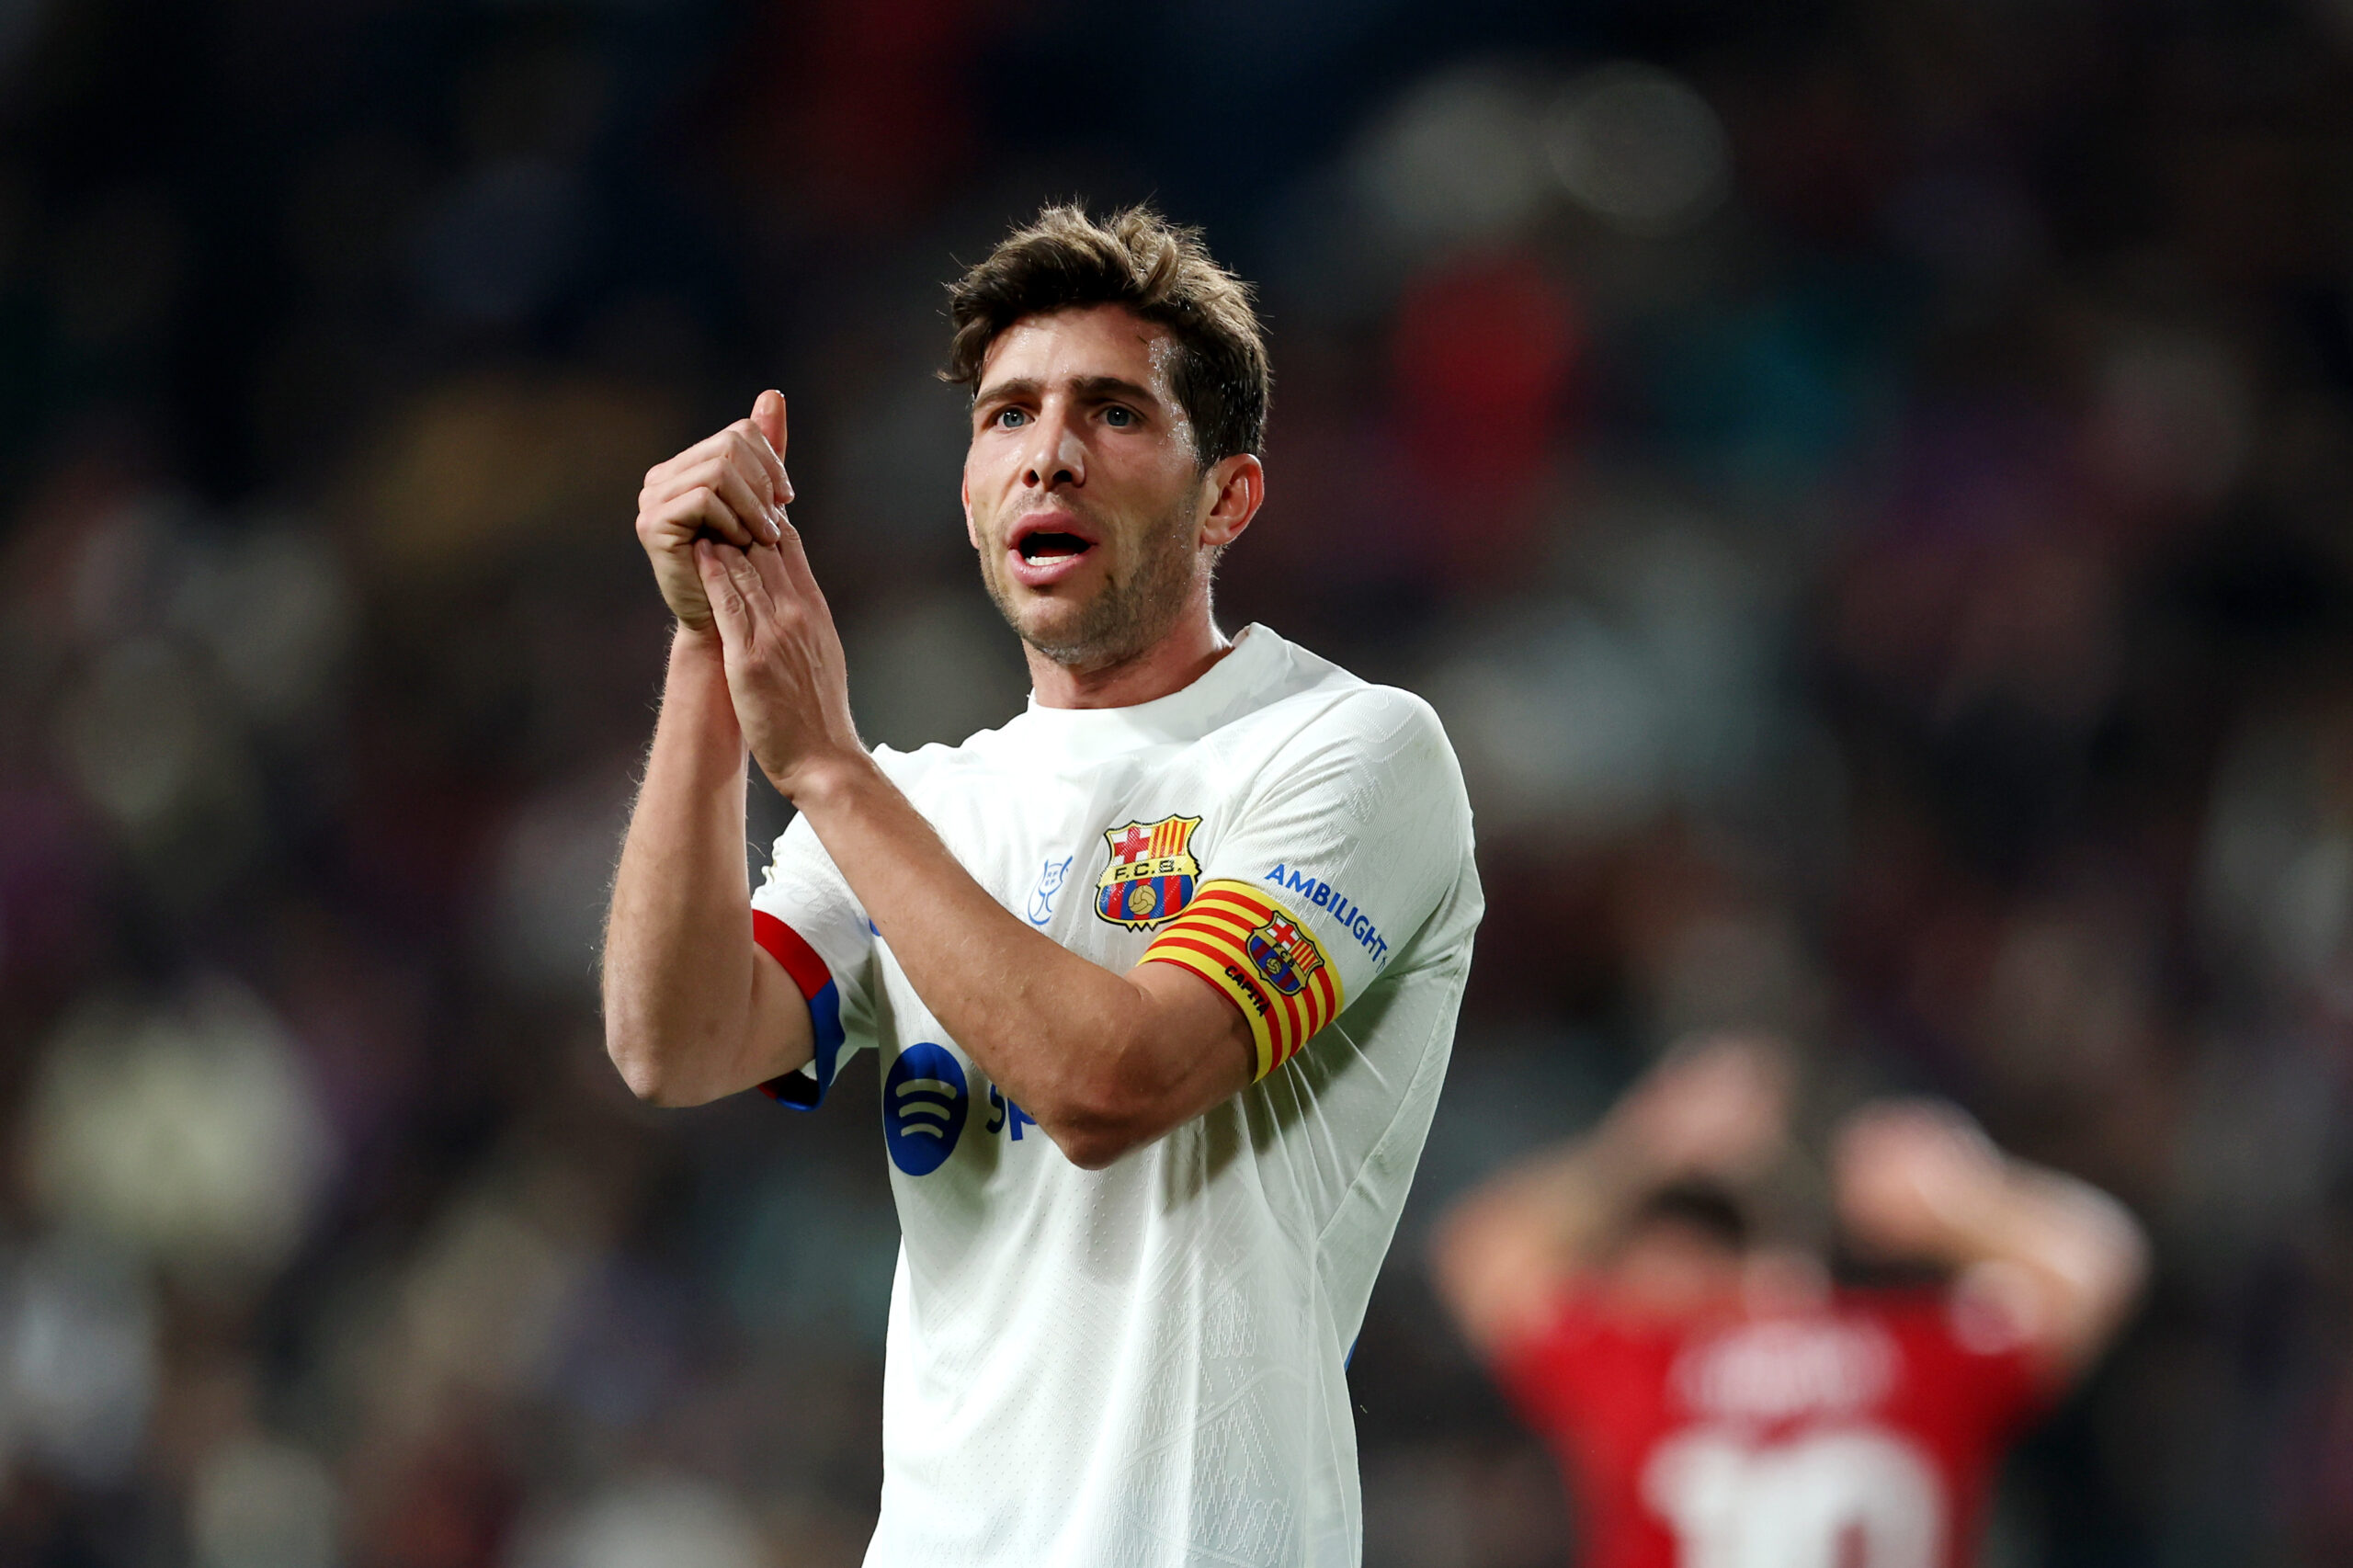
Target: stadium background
{"type": "Point", "coordinates": [1867, 483]}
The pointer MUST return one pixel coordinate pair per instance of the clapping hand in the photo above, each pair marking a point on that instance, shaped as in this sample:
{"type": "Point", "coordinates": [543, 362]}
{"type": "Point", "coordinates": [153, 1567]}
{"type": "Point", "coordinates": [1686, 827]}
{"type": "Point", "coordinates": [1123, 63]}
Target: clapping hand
{"type": "Point", "coordinates": [730, 486]}
{"type": "Point", "coordinates": [785, 671]}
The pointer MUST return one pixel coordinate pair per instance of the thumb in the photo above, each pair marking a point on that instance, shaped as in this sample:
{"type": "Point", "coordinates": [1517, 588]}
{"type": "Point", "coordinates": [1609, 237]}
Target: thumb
{"type": "Point", "coordinates": [767, 413]}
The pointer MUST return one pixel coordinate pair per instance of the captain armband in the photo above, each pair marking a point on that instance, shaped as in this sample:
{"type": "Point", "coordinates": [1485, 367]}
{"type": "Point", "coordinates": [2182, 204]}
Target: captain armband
{"type": "Point", "coordinates": [1252, 949]}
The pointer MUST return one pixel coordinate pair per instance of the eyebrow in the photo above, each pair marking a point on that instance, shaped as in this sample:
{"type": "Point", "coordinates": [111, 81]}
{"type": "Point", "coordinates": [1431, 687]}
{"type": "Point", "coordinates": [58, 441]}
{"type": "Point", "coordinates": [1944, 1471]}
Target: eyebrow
{"type": "Point", "coordinates": [1092, 387]}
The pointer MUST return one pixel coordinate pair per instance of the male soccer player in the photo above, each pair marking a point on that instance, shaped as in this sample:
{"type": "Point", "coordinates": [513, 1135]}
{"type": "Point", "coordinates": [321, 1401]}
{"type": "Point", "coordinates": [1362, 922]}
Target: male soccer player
{"type": "Point", "coordinates": [1713, 1405]}
{"type": "Point", "coordinates": [1162, 976]}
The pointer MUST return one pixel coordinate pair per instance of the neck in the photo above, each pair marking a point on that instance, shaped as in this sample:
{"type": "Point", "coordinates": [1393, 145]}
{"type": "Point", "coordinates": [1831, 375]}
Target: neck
{"type": "Point", "coordinates": [1176, 662]}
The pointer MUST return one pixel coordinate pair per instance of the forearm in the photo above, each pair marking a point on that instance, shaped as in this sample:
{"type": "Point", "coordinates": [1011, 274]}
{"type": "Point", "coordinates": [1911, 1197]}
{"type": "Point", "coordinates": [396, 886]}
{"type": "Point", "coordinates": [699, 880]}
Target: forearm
{"type": "Point", "coordinates": [689, 1013]}
{"type": "Point", "coordinates": [1073, 1042]}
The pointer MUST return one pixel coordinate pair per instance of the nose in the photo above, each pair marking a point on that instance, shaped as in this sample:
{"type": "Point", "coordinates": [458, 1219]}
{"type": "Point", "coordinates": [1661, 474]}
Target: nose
{"type": "Point", "coordinates": [1057, 458]}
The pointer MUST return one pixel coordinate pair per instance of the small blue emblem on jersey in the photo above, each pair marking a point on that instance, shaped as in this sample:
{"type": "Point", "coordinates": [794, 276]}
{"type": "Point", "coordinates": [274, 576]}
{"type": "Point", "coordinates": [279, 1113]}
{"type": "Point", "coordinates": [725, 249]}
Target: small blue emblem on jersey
{"type": "Point", "coordinates": [1050, 882]}
{"type": "Point", "coordinates": [924, 1104]}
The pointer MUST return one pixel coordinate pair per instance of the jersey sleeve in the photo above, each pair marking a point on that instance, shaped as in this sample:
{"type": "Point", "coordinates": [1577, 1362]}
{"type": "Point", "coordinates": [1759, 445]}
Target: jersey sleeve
{"type": "Point", "coordinates": [1351, 836]}
{"type": "Point", "coordinates": [805, 916]}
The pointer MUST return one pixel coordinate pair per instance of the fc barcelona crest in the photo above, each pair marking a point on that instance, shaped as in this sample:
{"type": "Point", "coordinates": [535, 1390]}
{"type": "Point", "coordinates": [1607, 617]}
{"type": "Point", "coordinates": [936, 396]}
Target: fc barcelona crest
{"type": "Point", "coordinates": [1152, 872]}
{"type": "Point", "coordinates": [1284, 954]}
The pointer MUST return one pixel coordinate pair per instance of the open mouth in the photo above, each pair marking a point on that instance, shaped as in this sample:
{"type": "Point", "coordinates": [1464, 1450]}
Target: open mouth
{"type": "Point", "coordinates": [1046, 547]}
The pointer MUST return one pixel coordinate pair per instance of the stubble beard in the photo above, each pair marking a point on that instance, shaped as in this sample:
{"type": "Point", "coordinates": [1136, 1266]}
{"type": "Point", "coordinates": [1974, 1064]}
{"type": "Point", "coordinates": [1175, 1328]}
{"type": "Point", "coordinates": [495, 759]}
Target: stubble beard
{"type": "Point", "coordinates": [1127, 616]}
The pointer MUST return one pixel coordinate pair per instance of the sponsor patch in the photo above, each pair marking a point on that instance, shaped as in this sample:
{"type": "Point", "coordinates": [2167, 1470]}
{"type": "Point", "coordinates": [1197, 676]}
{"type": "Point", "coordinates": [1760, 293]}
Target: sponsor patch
{"type": "Point", "coordinates": [1151, 875]}
{"type": "Point", "coordinates": [1343, 909]}
{"type": "Point", "coordinates": [925, 1101]}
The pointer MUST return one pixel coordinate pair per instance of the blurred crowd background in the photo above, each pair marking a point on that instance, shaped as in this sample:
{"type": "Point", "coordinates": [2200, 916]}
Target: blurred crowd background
{"type": "Point", "coordinates": [1868, 484]}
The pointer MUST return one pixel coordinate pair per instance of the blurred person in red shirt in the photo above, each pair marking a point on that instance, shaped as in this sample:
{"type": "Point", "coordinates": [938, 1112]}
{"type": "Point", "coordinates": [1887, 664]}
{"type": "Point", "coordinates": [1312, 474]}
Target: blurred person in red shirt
{"type": "Point", "coordinates": [1714, 1401]}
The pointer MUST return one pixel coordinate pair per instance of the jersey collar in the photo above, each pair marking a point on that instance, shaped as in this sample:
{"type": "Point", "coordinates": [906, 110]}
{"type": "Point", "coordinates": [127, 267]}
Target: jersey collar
{"type": "Point", "coordinates": [1180, 717]}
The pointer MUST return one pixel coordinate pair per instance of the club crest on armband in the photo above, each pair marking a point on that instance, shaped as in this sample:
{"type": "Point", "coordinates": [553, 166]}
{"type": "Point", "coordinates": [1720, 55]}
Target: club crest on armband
{"type": "Point", "coordinates": [1151, 873]}
{"type": "Point", "coordinates": [1284, 954]}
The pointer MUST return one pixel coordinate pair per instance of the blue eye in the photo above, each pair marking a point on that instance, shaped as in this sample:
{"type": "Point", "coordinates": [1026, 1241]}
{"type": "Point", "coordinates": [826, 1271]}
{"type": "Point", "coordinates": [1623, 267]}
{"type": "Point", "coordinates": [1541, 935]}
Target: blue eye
{"type": "Point", "coordinates": [1118, 418]}
{"type": "Point", "coordinates": [1011, 418]}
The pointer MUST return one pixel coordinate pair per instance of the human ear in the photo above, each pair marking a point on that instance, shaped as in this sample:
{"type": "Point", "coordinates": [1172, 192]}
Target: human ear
{"type": "Point", "coordinates": [972, 533]}
{"type": "Point", "coordinates": [1236, 487]}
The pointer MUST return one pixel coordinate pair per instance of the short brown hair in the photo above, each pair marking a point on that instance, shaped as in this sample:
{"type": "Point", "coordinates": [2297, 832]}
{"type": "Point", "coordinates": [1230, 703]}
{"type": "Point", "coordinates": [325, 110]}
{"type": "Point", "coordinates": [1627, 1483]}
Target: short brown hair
{"type": "Point", "coordinates": [1066, 260]}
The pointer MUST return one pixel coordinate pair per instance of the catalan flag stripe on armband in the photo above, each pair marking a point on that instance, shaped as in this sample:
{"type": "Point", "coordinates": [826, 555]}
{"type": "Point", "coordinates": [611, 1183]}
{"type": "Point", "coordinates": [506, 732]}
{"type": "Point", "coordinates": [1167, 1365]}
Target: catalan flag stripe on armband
{"type": "Point", "coordinates": [1257, 952]}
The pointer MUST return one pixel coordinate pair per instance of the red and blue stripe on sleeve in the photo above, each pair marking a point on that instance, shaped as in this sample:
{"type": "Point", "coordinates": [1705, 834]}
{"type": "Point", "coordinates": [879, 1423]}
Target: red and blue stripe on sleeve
{"type": "Point", "coordinates": [815, 983]}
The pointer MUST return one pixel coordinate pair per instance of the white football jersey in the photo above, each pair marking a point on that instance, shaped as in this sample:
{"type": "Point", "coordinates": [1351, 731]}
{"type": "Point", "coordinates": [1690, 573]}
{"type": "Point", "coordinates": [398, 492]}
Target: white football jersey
{"type": "Point", "coordinates": [1145, 1365]}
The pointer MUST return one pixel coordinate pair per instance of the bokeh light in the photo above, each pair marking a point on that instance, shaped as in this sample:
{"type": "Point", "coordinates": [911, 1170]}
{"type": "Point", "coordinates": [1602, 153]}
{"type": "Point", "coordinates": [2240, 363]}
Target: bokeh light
{"type": "Point", "coordinates": [1638, 148]}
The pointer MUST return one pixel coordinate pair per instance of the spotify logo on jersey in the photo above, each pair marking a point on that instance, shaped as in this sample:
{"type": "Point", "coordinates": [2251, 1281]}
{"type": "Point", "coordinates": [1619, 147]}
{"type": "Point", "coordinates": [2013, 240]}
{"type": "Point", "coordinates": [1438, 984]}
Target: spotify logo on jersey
{"type": "Point", "coordinates": [924, 1102]}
